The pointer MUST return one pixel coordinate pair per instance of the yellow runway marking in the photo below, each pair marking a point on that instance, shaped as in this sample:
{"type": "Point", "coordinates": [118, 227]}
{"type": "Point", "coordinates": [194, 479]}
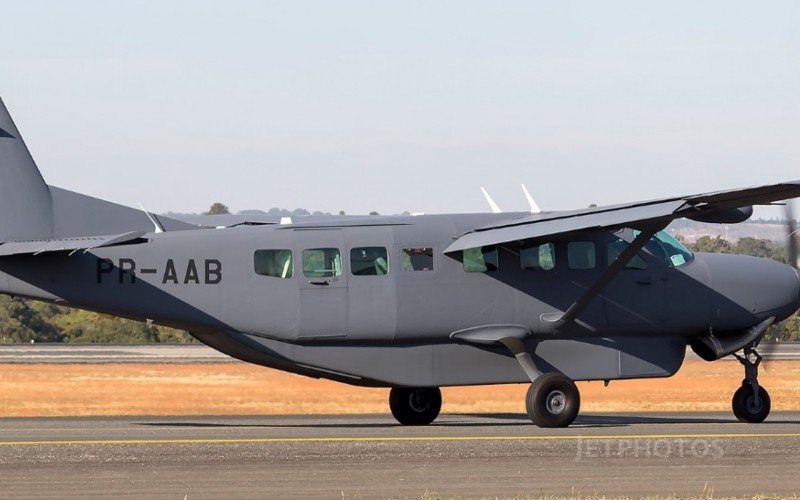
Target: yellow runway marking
{"type": "Point", "coordinates": [389, 439]}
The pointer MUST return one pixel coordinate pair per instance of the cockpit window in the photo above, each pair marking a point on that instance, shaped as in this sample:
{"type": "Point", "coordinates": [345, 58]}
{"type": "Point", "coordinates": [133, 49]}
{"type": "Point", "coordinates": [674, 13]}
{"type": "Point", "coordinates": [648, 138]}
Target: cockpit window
{"type": "Point", "coordinates": [667, 249]}
{"type": "Point", "coordinates": [538, 258]}
{"type": "Point", "coordinates": [615, 249]}
{"type": "Point", "coordinates": [480, 260]}
{"type": "Point", "coordinates": [369, 261]}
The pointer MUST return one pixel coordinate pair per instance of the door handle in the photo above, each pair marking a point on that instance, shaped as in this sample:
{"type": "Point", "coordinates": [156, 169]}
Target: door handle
{"type": "Point", "coordinates": [645, 281]}
{"type": "Point", "coordinates": [320, 283]}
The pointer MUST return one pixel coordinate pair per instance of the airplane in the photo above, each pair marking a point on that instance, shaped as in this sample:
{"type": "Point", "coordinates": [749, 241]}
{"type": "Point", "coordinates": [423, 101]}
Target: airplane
{"type": "Point", "coordinates": [414, 303]}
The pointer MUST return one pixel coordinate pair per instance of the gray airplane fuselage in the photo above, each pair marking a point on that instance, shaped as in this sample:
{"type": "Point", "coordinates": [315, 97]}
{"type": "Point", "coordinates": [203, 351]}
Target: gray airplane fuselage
{"type": "Point", "coordinates": [396, 329]}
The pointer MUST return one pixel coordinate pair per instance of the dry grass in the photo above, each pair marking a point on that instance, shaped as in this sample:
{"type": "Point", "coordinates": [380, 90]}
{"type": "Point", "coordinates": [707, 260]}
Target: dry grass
{"type": "Point", "coordinates": [237, 388]}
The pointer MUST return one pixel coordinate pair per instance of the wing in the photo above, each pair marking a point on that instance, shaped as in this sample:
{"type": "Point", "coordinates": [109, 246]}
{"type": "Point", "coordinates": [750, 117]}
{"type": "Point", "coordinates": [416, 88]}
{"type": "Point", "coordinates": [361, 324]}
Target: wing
{"type": "Point", "coordinates": [722, 206]}
{"type": "Point", "coordinates": [35, 247]}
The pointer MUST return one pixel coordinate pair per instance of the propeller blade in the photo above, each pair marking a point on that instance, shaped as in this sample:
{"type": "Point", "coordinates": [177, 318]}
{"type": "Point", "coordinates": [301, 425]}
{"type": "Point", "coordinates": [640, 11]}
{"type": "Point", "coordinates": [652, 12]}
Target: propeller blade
{"type": "Point", "coordinates": [791, 232]}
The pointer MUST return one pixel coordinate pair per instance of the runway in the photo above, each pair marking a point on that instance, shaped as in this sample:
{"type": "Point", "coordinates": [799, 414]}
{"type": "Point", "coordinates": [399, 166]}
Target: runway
{"type": "Point", "coordinates": [196, 353]}
{"type": "Point", "coordinates": [369, 456]}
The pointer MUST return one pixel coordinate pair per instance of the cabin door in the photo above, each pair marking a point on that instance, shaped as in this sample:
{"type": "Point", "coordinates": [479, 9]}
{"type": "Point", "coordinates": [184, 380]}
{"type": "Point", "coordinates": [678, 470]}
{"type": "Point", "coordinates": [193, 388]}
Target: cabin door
{"type": "Point", "coordinates": [637, 295]}
{"type": "Point", "coordinates": [323, 284]}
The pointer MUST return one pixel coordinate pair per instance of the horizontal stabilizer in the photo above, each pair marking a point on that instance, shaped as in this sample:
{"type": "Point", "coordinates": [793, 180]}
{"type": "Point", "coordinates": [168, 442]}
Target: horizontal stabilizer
{"type": "Point", "coordinates": [35, 247]}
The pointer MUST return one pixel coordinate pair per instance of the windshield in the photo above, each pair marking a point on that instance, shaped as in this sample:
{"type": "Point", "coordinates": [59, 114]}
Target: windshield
{"type": "Point", "coordinates": [667, 249]}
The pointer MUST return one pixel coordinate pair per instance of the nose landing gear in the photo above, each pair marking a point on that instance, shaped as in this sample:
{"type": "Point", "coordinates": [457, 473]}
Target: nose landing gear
{"type": "Point", "coordinates": [751, 402]}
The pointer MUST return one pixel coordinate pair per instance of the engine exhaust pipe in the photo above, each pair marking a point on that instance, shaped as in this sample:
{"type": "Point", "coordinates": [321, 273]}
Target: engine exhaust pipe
{"type": "Point", "coordinates": [712, 348]}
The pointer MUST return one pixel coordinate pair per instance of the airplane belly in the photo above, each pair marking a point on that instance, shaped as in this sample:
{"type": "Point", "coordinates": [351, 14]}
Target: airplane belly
{"type": "Point", "coordinates": [451, 364]}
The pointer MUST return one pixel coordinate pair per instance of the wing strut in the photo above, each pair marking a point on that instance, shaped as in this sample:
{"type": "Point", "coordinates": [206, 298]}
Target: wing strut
{"type": "Point", "coordinates": [593, 291]}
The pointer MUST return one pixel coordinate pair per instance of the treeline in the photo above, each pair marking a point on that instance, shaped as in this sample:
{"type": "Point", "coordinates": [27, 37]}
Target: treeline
{"type": "Point", "coordinates": [23, 321]}
{"type": "Point", "coordinates": [753, 247]}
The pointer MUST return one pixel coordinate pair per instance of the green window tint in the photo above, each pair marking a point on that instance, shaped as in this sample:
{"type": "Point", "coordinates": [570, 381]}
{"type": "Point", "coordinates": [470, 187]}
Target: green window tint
{"type": "Point", "coordinates": [369, 261]}
{"type": "Point", "coordinates": [322, 263]}
{"type": "Point", "coordinates": [417, 259]}
{"type": "Point", "coordinates": [480, 260]}
{"type": "Point", "coordinates": [581, 255]}
{"type": "Point", "coordinates": [275, 263]}
{"type": "Point", "coordinates": [667, 249]}
{"type": "Point", "coordinates": [538, 258]}
{"type": "Point", "coordinates": [616, 248]}
{"type": "Point", "coordinates": [677, 254]}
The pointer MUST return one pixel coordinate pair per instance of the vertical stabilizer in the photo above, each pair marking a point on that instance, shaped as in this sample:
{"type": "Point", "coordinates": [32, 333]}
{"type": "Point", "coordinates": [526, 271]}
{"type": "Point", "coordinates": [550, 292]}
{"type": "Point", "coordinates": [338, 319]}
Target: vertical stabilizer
{"type": "Point", "coordinates": [26, 206]}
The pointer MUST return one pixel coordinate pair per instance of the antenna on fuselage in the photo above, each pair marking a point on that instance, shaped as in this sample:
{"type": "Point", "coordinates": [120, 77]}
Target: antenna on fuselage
{"type": "Point", "coordinates": [158, 227]}
{"type": "Point", "coordinates": [490, 201]}
{"type": "Point", "coordinates": [531, 202]}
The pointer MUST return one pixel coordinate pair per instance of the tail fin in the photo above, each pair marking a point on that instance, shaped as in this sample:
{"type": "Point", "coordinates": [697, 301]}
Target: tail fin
{"type": "Point", "coordinates": [26, 205]}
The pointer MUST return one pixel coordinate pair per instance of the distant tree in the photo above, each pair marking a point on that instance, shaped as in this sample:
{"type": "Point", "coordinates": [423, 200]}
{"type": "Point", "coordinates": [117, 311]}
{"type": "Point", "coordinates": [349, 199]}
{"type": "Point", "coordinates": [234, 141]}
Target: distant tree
{"type": "Point", "coordinates": [374, 213]}
{"type": "Point", "coordinates": [593, 205]}
{"type": "Point", "coordinates": [23, 321]}
{"type": "Point", "coordinates": [218, 209]}
{"type": "Point", "coordinates": [341, 212]}
{"type": "Point", "coordinates": [712, 245]}
{"type": "Point", "coordinates": [756, 248]}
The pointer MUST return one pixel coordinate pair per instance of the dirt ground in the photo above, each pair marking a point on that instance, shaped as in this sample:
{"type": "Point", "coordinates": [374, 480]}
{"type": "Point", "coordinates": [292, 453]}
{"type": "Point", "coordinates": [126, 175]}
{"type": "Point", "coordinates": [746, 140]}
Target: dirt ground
{"type": "Point", "coordinates": [237, 388]}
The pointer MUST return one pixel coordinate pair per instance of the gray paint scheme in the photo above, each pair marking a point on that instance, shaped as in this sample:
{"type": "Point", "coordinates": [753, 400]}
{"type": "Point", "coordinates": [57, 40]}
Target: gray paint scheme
{"type": "Point", "coordinates": [395, 329]}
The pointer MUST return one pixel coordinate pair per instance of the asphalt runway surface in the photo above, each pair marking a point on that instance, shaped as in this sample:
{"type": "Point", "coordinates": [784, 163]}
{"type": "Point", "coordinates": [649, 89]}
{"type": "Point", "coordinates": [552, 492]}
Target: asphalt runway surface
{"type": "Point", "coordinates": [196, 353]}
{"type": "Point", "coordinates": [369, 456]}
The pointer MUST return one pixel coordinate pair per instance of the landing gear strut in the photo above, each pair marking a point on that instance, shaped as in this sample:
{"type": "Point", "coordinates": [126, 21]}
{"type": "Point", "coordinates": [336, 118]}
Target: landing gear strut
{"type": "Point", "coordinates": [415, 405]}
{"type": "Point", "coordinates": [751, 403]}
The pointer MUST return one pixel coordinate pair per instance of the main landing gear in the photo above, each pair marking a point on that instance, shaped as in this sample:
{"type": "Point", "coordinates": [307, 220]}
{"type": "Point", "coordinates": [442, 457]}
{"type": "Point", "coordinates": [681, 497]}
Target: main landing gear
{"type": "Point", "coordinates": [553, 400]}
{"type": "Point", "coordinates": [751, 403]}
{"type": "Point", "coordinates": [415, 405]}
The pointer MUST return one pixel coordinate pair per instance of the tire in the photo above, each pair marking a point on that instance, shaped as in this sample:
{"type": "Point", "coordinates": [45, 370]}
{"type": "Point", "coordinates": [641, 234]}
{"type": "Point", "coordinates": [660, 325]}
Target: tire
{"type": "Point", "coordinates": [553, 400]}
{"type": "Point", "coordinates": [746, 408]}
{"type": "Point", "coordinates": [415, 405]}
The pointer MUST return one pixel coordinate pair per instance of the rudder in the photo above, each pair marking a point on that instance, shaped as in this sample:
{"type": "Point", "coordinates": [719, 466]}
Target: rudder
{"type": "Point", "coordinates": [26, 205]}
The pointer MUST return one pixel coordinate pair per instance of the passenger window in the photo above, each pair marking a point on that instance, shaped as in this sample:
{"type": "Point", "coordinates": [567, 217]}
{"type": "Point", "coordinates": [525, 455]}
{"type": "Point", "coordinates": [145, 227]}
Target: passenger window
{"type": "Point", "coordinates": [480, 260]}
{"type": "Point", "coordinates": [369, 261]}
{"type": "Point", "coordinates": [322, 263]}
{"type": "Point", "coordinates": [275, 263]}
{"type": "Point", "coordinates": [581, 255]}
{"type": "Point", "coordinates": [538, 258]}
{"type": "Point", "coordinates": [417, 259]}
{"type": "Point", "coordinates": [615, 249]}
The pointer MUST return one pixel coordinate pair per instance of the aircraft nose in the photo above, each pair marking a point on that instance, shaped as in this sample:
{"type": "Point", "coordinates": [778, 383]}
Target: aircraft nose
{"type": "Point", "coordinates": [748, 290]}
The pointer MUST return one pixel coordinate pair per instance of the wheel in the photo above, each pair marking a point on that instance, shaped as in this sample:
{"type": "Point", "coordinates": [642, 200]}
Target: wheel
{"type": "Point", "coordinates": [553, 400]}
{"type": "Point", "coordinates": [747, 407]}
{"type": "Point", "coordinates": [415, 405]}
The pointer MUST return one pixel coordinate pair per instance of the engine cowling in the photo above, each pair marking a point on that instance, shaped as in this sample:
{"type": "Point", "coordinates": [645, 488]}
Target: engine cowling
{"type": "Point", "coordinates": [723, 215]}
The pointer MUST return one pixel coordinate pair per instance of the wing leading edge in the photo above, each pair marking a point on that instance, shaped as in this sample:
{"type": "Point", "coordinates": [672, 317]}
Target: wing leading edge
{"type": "Point", "coordinates": [629, 215]}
